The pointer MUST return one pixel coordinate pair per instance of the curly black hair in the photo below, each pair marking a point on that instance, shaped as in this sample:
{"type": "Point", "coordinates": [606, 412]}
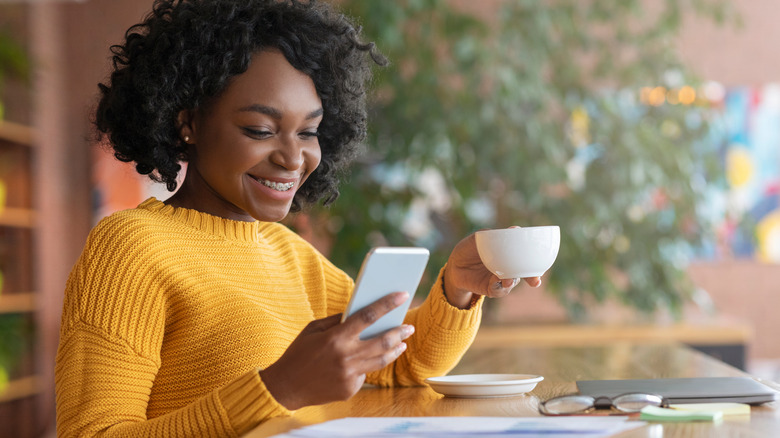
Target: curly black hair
{"type": "Point", "coordinates": [185, 53]}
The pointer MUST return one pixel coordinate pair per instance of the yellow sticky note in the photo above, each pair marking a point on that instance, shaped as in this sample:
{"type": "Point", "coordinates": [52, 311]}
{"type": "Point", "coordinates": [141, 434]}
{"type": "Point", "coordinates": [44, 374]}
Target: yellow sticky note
{"type": "Point", "coordinates": [725, 408]}
{"type": "Point", "coordinates": [654, 413]}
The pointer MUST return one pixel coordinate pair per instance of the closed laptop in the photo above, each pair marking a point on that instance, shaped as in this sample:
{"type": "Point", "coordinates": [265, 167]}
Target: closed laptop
{"type": "Point", "coordinates": [686, 390]}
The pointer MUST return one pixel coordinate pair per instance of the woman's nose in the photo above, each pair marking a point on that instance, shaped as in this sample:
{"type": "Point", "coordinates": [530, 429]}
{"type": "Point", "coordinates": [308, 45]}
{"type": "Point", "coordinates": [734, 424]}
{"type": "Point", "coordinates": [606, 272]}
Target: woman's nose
{"type": "Point", "coordinates": [289, 154]}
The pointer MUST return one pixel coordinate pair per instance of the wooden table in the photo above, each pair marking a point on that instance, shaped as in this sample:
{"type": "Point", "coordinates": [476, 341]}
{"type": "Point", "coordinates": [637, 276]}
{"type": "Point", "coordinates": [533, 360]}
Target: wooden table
{"type": "Point", "coordinates": [561, 366]}
{"type": "Point", "coordinates": [725, 339]}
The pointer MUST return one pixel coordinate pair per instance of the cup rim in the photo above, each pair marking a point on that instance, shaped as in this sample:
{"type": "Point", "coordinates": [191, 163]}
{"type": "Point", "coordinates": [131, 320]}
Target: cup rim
{"type": "Point", "coordinates": [503, 230]}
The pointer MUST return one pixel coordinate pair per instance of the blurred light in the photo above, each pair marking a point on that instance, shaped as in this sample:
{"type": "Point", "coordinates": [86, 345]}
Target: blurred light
{"type": "Point", "coordinates": [417, 223]}
{"type": "Point", "coordinates": [771, 97]}
{"type": "Point", "coordinates": [481, 211]}
{"type": "Point", "coordinates": [674, 78]}
{"type": "Point", "coordinates": [714, 91]}
{"type": "Point", "coordinates": [432, 185]}
{"type": "Point", "coordinates": [657, 97]}
{"type": "Point", "coordinates": [687, 95]}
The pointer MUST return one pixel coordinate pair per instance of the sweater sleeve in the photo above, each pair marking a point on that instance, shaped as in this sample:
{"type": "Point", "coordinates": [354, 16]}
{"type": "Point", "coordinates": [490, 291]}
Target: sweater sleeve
{"type": "Point", "coordinates": [103, 389]}
{"type": "Point", "coordinates": [109, 356]}
{"type": "Point", "coordinates": [442, 335]}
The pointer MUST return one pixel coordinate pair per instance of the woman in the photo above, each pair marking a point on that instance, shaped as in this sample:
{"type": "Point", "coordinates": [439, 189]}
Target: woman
{"type": "Point", "coordinates": [201, 315]}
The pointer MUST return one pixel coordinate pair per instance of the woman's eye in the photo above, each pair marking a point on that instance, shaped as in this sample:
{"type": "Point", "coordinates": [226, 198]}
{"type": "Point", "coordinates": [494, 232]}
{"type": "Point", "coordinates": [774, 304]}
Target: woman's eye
{"type": "Point", "coordinates": [257, 133]}
{"type": "Point", "coordinates": [309, 134]}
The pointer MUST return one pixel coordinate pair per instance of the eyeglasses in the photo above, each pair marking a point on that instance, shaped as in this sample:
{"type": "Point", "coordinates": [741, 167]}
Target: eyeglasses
{"type": "Point", "coordinates": [582, 404]}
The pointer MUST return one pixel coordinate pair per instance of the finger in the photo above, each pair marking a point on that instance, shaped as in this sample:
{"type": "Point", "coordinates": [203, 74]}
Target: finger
{"type": "Point", "coordinates": [386, 342]}
{"type": "Point", "coordinates": [534, 281]}
{"type": "Point", "coordinates": [509, 283]}
{"type": "Point", "coordinates": [371, 313]}
{"type": "Point", "coordinates": [383, 360]}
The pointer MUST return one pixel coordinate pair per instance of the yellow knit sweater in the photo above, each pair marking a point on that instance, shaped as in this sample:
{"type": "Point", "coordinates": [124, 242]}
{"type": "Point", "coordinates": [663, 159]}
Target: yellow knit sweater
{"type": "Point", "coordinates": [170, 313]}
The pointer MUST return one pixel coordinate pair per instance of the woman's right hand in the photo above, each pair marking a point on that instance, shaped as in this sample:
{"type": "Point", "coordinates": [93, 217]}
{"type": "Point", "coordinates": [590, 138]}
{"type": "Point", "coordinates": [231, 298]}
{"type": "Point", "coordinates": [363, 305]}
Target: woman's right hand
{"type": "Point", "coordinates": [328, 361]}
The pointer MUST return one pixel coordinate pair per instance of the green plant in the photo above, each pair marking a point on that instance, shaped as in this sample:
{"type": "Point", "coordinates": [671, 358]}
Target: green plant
{"type": "Point", "coordinates": [533, 119]}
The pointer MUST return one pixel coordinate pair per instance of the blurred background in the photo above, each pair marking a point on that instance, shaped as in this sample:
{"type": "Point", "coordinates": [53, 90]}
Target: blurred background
{"type": "Point", "coordinates": [648, 131]}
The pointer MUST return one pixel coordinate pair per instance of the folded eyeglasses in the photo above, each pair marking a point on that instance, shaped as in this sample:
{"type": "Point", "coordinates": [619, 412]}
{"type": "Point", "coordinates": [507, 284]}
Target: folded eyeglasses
{"type": "Point", "coordinates": [583, 404]}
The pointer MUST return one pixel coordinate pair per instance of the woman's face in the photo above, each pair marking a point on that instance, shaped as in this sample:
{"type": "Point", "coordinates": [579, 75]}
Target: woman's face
{"type": "Point", "coordinates": [254, 145]}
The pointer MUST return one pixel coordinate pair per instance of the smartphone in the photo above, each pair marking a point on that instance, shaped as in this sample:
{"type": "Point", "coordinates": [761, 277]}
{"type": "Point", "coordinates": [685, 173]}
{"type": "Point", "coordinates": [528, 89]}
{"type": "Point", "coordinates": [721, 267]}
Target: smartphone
{"type": "Point", "coordinates": [386, 270]}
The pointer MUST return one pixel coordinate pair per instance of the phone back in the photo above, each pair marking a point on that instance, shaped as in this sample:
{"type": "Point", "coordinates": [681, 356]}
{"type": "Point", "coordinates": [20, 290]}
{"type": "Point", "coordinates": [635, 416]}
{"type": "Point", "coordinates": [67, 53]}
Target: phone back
{"type": "Point", "coordinates": [386, 270]}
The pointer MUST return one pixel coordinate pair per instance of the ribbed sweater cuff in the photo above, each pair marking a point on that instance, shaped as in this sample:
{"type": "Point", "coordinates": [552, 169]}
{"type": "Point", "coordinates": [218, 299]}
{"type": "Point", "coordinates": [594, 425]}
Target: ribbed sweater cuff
{"type": "Point", "coordinates": [448, 315]}
{"type": "Point", "coordinates": [248, 402]}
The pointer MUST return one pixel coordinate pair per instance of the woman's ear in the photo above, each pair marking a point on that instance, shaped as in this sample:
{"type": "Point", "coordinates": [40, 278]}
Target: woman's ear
{"type": "Point", "coordinates": [184, 123]}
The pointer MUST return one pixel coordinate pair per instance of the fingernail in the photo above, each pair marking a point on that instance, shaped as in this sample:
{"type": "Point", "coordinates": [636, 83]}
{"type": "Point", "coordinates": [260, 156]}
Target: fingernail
{"type": "Point", "coordinates": [407, 330]}
{"type": "Point", "coordinates": [515, 281]}
{"type": "Point", "coordinates": [401, 298]}
{"type": "Point", "coordinates": [401, 347]}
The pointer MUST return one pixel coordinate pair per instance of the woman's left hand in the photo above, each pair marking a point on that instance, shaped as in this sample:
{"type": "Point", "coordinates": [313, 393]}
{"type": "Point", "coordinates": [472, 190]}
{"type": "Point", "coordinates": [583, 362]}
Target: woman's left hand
{"type": "Point", "coordinates": [465, 275]}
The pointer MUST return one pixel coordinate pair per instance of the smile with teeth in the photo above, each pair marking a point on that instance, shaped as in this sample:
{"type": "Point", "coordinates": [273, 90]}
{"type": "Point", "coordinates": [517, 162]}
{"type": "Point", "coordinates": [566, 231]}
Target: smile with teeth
{"type": "Point", "coordinates": [281, 187]}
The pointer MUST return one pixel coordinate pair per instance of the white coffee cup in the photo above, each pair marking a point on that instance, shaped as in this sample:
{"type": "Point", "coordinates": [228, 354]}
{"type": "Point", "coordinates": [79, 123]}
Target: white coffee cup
{"type": "Point", "coordinates": [519, 252]}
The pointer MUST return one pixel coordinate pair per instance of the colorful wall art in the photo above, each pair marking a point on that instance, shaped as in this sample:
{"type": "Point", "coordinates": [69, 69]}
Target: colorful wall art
{"type": "Point", "coordinates": [751, 158]}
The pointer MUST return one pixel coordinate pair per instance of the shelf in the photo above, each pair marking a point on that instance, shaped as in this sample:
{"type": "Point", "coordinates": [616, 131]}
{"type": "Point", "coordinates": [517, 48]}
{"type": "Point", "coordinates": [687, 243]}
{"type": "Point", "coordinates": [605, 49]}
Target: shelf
{"type": "Point", "coordinates": [16, 133]}
{"type": "Point", "coordinates": [17, 217]}
{"type": "Point", "coordinates": [20, 388]}
{"type": "Point", "coordinates": [17, 302]}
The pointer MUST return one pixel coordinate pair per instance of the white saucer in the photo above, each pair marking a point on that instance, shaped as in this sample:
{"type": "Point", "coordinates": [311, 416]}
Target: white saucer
{"type": "Point", "coordinates": [484, 385]}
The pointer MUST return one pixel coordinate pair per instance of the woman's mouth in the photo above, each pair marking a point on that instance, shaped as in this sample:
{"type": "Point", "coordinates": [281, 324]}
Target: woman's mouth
{"type": "Point", "coordinates": [279, 187]}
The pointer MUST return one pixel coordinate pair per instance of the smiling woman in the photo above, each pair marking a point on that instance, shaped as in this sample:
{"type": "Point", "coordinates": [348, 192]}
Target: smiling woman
{"type": "Point", "coordinates": [252, 147]}
{"type": "Point", "coordinates": [187, 53]}
{"type": "Point", "coordinates": [201, 315]}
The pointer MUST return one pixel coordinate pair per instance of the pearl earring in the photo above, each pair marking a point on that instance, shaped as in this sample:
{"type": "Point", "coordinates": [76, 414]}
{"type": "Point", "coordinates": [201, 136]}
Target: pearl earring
{"type": "Point", "coordinates": [186, 138]}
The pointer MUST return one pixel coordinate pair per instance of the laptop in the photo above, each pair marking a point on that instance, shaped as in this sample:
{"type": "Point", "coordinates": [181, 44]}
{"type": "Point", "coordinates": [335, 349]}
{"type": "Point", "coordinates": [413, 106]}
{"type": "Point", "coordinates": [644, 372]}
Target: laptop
{"type": "Point", "coordinates": [686, 390]}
